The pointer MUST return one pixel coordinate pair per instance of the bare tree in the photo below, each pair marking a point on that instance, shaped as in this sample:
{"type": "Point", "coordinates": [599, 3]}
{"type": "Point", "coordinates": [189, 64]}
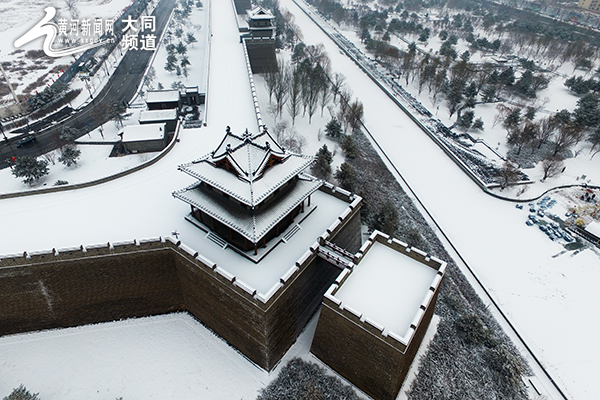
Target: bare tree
{"type": "Point", "coordinates": [271, 81]}
{"type": "Point", "coordinates": [594, 139]}
{"type": "Point", "coordinates": [508, 175]}
{"type": "Point", "coordinates": [281, 89]}
{"type": "Point", "coordinates": [355, 115]}
{"type": "Point", "coordinates": [545, 130]}
{"type": "Point", "coordinates": [71, 6]}
{"type": "Point", "coordinates": [295, 96]}
{"type": "Point", "coordinates": [337, 84]}
{"type": "Point", "coordinates": [551, 166]}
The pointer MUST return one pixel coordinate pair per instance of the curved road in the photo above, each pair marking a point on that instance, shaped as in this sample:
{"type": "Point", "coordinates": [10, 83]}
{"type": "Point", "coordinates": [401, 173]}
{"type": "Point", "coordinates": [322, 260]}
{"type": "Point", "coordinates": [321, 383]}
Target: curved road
{"type": "Point", "coordinates": [121, 87]}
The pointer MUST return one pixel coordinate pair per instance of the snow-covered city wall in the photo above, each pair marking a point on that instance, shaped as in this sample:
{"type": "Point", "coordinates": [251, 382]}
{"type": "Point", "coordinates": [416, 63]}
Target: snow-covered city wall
{"type": "Point", "coordinates": [66, 287]}
{"type": "Point", "coordinates": [358, 333]}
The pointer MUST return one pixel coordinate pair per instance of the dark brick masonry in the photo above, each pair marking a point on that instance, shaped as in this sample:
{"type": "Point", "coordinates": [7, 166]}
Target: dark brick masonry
{"type": "Point", "coordinates": [111, 282]}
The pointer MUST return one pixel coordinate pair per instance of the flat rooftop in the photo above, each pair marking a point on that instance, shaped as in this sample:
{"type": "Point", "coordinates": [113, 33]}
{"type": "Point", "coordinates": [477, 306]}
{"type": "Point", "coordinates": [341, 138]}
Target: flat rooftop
{"type": "Point", "coordinates": [137, 133]}
{"type": "Point", "coordinates": [162, 96]}
{"type": "Point", "coordinates": [387, 287]}
{"type": "Point", "coordinates": [158, 115]}
{"type": "Point", "coordinates": [593, 228]}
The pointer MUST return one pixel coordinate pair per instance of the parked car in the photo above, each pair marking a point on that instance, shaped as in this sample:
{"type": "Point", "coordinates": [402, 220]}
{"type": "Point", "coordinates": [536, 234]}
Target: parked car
{"type": "Point", "coordinates": [26, 140]}
{"type": "Point", "coordinates": [541, 213]}
{"type": "Point", "coordinates": [529, 222]}
{"type": "Point", "coordinates": [519, 206]}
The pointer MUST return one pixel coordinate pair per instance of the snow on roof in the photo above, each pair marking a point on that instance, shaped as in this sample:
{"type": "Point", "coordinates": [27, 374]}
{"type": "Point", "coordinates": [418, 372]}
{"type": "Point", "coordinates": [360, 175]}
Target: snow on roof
{"type": "Point", "coordinates": [137, 133]}
{"type": "Point", "coordinates": [267, 273]}
{"type": "Point", "coordinates": [252, 225]}
{"type": "Point", "coordinates": [593, 228]}
{"type": "Point", "coordinates": [158, 115]}
{"type": "Point", "coordinates": [387, 287]}
{"type": "Point", "coordinates": [260, 13]}
{"type": "Point", "coordinates": [255, 170]}
{"type": "Point", "coordinates": [162, 96]}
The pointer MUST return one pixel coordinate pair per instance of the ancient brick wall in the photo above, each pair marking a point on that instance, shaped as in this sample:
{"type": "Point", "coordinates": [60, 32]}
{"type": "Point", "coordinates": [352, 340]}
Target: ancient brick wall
{"type": "Point", "coordinates": [262, 56]}
{"type": "Point", "coordinates": [364, 358]}
{"type": "Point", "coordinates": [73, 288]}
{"type": "Point", "coordinates": [70, 287]}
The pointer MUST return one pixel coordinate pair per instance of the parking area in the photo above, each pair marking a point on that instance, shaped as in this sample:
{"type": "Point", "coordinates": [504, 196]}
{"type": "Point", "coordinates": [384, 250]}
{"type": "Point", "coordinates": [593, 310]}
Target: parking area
{"type": "Point", "coordinates": [561, 216]}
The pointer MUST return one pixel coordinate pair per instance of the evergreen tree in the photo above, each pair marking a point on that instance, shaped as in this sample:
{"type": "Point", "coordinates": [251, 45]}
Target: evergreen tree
{"type": "Point", "coordinates": [171, 64]}
{"type": "Point", "coordinates": [587, 113]}
{"type": "Point", "coordinates": [69, 155]}
{"type": "Point", "coordinates": [181, 48]}
{"type": "Point", "coordinates": [465, 120]}
{"type": "Point", "coordinates": [349, 147]}
{"type": "Point", "coordinates": [21, 393]}
{"type": "Point", "coordinates": [322, 165]}
{"type": "Point", "coordinates": [190, 38]}
{"type": "Point", "coordinates": [333, 129]}
{"type": "Point", "coordinates": [386, 219]}
{"type": "Point", "coordinates": [488, 94]}
{"type": "Point", "coordinates": [68, 134]}
{"type": "Point", "coordinates": [477, 124]}
{"type": "Point", "coordinates": [507, 77]}
{"type": "Point", "coordinates": [118, 113]}
{"type": "Point", "coordinates": [30, 168]}
{"type": "Point", "coordinates": [346, 177]}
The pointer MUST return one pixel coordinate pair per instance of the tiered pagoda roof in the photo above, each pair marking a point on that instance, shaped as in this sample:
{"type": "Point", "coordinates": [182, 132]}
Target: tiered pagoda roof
{"type": "Point", "coordinates": [248, 170]}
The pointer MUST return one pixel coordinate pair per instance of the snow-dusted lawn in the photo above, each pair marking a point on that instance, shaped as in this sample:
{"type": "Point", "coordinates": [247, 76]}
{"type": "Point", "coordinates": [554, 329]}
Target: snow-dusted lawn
{"type": "Point", "coordinates": [93, 164]}
{"type": "Point", "coordinates": [164, 357]}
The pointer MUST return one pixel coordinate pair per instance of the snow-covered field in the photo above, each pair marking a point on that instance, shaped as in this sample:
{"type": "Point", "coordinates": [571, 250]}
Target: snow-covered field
{"type": "Point", "coordinates": [164, 357]}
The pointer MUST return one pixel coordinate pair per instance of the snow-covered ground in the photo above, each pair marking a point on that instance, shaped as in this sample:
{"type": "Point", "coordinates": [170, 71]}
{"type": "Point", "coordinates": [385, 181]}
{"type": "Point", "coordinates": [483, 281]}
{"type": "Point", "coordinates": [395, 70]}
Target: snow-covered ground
{"type": "Point", "coordinates": [550, 298]}
{"type": "Point", "coordinates": [163, 357]}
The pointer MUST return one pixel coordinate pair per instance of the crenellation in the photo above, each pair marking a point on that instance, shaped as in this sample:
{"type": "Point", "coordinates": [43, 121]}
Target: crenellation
{"type": "Point", "coordinates": [373, 327]}
{"type": "Point", "coordinates": [288, 274]}
{"type": "Point", "coordinates": [342, 276]}
{"type": "Point", "coordinates": [230, 278]}
{"type": "Point", "coordinates": [350, 313]}
{"type": "Point", "coordinates": [246, 289]}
